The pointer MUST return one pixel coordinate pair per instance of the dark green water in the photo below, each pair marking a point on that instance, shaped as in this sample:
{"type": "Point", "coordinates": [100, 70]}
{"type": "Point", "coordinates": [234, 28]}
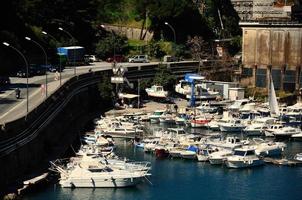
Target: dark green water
{"type": "Point", "coordinates": [181, 179]}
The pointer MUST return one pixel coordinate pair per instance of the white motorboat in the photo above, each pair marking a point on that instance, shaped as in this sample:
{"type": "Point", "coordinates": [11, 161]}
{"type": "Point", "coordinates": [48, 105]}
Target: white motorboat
{"type": "Point", "coordinates": [204, 153]}
{"type": "Point", "coordinates": [90, 173]}
{"type": "Point", "coordinates": [180, 121]}
{"type": "Point", "coordinates": [219, 157]}
{"type": "Point", "coordinates": [207, 108]}
{"type": "Point", "coordinates": [175, 152]}
{"type": "Point", "coordinates": [232, 126]}
{"type": "Point", "coordinates": [242, 158]}
{"type": "Point", "coordinates": [294, 111]}
{"type": "Point", "coordinates": [200, 90]}
{"type": "Point", "coordinates": [154, 118]}
{"type": "Point", "coordinates": [157, 91]}
{"type": "Point", "coordinates": [121, 131]}
{"type": "Point", "coordinates": [89, 138]}
{"type": "Point", "coordinates": [229, 143]}
{"type": "Point", "coordinates": [268, 148]}
{"type": "Point", "coordinates": [150, 147]}
{"type": "Point", "coordinates": [286, 132]}
{"type": "Point", "coordinates": [215, 123]}
{"type": "Point", "coordinates": [258, 125]}
{"type": "Point", "coordinates": [297, 136]}
{"type": "Point", "coordinates": [269, 131]}
{"type": "Point", "coordinates": [167, 119]}
{"type": "Point", "coordinates": [298, 157]}
{"type": "Point", "coordinates": [187, 154]}
{"type": "Point", "coordinates": [238, 104]}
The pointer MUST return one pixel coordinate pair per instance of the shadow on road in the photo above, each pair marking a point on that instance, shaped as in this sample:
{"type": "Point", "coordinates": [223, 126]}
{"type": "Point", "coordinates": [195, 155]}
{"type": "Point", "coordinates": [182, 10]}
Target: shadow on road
{"type": "Point", "coordinates": [8, 101]}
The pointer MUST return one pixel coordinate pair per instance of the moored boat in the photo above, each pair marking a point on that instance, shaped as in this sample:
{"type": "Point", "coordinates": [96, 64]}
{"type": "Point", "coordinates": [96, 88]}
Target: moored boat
{"type": "Point", "coordinates": [242, 158]}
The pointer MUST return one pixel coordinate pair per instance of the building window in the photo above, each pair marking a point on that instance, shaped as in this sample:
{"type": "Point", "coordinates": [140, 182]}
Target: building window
{"type": "Point", "coordinates": [276, 75]}
{"type": "Point", "coordinates": [261, 78]}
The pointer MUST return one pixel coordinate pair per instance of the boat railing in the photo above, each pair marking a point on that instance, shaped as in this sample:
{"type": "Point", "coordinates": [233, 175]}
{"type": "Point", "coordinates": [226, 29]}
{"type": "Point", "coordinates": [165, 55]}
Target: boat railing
{"type": "Point", "coordinates": [138, 165]}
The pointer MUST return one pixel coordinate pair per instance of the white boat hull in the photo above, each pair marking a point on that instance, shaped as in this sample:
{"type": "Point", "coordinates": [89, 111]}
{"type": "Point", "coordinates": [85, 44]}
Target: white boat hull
{"type": "Point", "coordinates": [202, 158]}
{"type": "Point", "coordinates": [231, 128]}
{"type": "Point", "coordinates": [216, 161]}
{"type": "Point", "coordinates": [100, 182]}
{"type": "Point", "coordinates": [243, 164]}
{"type": "Point", "coordinates": [188, 155]}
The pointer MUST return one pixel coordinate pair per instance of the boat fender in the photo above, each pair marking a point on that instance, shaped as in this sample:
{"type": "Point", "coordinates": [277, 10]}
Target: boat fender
{"type": "Point", "coordinates": [250, 162]}
{"type": "Point", "coordinates": [267, 152]}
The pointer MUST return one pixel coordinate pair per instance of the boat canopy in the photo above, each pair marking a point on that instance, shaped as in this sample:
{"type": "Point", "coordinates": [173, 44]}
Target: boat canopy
{"type": "Point", "coordinates": [193, 77]}
{"type": "Point", "coordinates": [128, 96]}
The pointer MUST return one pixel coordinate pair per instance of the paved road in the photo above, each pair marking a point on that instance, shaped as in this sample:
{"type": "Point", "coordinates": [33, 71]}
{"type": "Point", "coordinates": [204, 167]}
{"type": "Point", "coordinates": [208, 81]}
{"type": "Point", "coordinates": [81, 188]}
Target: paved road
{"type": "Point", "coordinates": [12, 108]}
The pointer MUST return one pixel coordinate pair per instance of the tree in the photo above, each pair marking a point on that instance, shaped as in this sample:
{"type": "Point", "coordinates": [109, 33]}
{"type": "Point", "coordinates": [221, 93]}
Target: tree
{"type": "Point", "coordinates": [105, 88]}
{"type": "Point", "coordinates": [111, 44]}
{"type": "Point", "coordinates": [198, 47]}
{"type": "Point", "coordinates": [164, 77]}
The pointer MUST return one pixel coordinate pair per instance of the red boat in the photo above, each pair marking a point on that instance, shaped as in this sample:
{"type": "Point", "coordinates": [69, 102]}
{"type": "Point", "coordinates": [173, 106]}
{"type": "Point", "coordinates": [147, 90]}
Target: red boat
{"type": "Point", "coordinates": [161, 152]}
{"type": "Point", "coordinates": [200, 122]}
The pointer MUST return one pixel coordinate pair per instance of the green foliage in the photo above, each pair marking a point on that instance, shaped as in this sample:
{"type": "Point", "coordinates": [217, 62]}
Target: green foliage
{"type": "Point", "coordinates": [155, 49]}
{"type": "Point", "coordinates": [164, 77]}
{"type": "Point", "coordinates": [111, 44]}
{"type": "Point", "coordinates": [105, 88]}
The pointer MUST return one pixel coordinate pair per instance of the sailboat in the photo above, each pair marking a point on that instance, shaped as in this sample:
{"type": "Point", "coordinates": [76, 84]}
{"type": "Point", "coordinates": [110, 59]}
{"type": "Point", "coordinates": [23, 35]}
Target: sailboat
{"type": "Point", "coordinates": [272, 99]}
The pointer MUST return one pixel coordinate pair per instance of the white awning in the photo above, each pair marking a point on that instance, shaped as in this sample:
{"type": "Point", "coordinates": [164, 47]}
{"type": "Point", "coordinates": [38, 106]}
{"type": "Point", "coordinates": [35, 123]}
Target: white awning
{"type": "Point", "coordinates": [128, 96]}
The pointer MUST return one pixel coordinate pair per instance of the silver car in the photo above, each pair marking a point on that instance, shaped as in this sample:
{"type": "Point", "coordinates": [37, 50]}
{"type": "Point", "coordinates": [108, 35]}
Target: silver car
{"type": "Point", "coordinates": [139, 59]}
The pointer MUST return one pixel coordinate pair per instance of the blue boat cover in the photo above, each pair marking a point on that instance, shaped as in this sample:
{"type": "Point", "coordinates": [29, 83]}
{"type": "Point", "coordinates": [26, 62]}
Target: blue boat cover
{"type": "Point", "coordinates": [193, 148]}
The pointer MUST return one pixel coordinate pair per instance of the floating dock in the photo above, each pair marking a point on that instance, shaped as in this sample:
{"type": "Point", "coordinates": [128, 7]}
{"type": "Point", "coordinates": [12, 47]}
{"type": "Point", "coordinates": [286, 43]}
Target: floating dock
{"type": "Point", "coordinates": [282, 162]}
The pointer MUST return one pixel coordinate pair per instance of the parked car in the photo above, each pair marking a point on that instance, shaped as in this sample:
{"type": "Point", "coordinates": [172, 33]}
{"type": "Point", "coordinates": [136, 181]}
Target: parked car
{"type": "Point", "coordinates": [90, 58]}
{"type": "Point", "coordinates": [139, 59]}
{"type": "Point", "coordinates": [168, 58]}
{"type": "Point", "coordinates": [116, 58]}
{"type": "Point", "coordinates": [4, 80]}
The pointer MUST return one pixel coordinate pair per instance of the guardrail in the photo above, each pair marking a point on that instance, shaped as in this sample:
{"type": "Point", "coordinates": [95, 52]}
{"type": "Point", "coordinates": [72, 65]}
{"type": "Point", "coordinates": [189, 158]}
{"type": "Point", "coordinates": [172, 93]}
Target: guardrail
{"type": "Point", "coordinates": [43, 116]}
{"type": "Point", "coordinates": [50, 108]}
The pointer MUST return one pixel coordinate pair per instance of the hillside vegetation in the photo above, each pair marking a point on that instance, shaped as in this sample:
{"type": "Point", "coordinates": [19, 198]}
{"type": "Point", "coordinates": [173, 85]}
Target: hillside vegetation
{"type": "Point", "coordinates": [83, 19]}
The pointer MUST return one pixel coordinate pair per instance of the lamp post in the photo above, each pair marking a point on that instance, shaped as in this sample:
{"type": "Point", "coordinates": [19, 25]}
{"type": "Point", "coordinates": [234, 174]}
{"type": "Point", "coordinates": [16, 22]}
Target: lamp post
{"type": "Point", "coordinates": [72, 38]}
{"type": "Point", "coordinates": [117, 78]}
{"type": "Point", "coordinates": [45, 54]}
{"type": "Point", "coordinates": [60, 63]}
{"type": "Point", "coordinates": [26, 64]}
{"type": "Point", "coordinates": [171, 27]}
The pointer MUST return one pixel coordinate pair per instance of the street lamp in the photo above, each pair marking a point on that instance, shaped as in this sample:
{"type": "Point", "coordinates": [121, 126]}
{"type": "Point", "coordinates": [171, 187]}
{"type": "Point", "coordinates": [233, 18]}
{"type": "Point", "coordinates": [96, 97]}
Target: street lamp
{"type": "Point", "coordinates": [118, 77]}
{"type": "Point", "coordinates": [46, 82]}
{"type": "Point", "coordinates": [171, 27]}
{"type": "Point", "coordinates": [72, 38]}
{"type": "Point", "coordinates": [26, 64]}
{"type": "Point", "coordinates": [60, 64]}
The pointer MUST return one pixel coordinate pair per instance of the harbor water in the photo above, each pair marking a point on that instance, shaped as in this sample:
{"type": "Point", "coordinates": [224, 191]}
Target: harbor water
{"type": "Point", "coordinates": [182, 179]}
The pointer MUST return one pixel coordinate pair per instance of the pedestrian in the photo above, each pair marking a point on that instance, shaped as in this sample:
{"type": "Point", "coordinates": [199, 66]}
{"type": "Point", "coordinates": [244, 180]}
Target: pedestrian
{"type": "Point", "coordinates": [56, 76]}
{"type": "Point", "coordinates": [18, 93]}
{"type": "Point", "coordinates": [176, 108]}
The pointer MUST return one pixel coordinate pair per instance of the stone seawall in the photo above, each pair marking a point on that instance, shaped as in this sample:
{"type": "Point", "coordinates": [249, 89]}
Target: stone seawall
{"type": "Point", "coordinates": [71, 107]}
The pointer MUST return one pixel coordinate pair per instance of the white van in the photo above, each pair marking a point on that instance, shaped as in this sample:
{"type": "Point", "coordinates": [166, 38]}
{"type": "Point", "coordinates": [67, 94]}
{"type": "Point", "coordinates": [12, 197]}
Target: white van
{"type": "Point", "coordinates": [139, 59]}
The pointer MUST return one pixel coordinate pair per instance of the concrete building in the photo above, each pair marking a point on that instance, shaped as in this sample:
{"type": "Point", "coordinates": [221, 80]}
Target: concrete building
{"type": "Point", "coordinates": [271, 44]}
{"type": "Point", "coordinates": [272, 48]}
{"type": "Point", "coordinates": [263, 9]}
{"type": "Point", "coordinates": [244, 9]}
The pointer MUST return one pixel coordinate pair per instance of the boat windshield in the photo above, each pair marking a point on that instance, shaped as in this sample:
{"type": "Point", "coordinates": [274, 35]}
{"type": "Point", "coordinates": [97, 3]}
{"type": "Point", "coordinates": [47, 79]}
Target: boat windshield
{"type": "Point", "coordinates": [250, 153]}
{"type": "Point", "coordinates": [239, 153]}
